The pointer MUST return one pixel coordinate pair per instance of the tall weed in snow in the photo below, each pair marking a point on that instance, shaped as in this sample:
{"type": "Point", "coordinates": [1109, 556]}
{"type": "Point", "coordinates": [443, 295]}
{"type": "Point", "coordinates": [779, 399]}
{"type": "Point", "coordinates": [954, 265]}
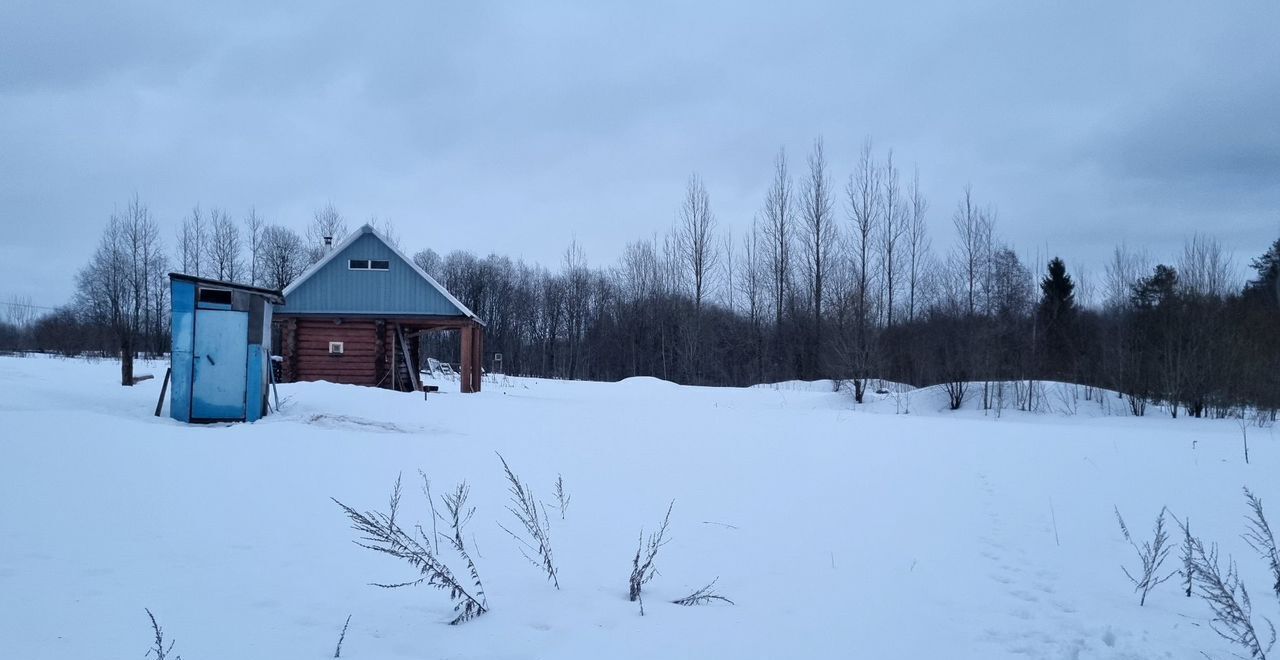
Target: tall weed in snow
{"type": "Point", "coordinates": [337, 651]}
{"type": "Point", "coordinates": [381, 532]}
{"type": "Point", "coordinates": [703, 596]}
{"type": "Point", "coordinates": [158, 650]}
{"type": "Point", "coordinates": [642, 567]}
{"type": "Point", "coordinates": [1229, 600]}
{"type": "Point", "coordinates": [562, 498]}
{"type": "Point", "coordinates": [533, 517]}
{"type": "Point", "coordinates": [1260, 538]}
{"type": "Point", "coordinates": [1152, 555]}
{"type": "Point", "coordinates": [1188, 571]}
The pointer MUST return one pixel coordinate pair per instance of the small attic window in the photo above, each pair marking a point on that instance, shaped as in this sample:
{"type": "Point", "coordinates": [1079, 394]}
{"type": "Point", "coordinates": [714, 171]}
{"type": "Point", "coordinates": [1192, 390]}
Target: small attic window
{"type": "Point", "coordinates": [335, 348]}
{"type": "Point", "coordinates": [368, 264]}
{"type": "Point", "coordinates": [215, 296]}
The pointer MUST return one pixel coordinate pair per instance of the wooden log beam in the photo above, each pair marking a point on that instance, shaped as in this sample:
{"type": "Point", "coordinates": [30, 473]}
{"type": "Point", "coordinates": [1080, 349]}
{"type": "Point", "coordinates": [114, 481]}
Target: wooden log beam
{"type": "Point", "coordinates": [467, 363]}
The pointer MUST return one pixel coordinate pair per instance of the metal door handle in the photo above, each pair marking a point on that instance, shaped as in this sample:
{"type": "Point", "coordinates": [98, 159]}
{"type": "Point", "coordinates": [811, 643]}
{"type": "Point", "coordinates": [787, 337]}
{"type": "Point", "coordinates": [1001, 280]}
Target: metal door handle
{"type": "Point", "coordinates": [210, 359]}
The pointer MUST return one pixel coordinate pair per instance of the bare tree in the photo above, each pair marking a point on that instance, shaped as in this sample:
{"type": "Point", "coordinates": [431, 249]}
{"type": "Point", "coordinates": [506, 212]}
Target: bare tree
{"type": "Point", "coordinates": [191, 242]}
{"type": "Point", "coordinates": [1122, 271]}
{"type": "Point", "coordinates": [918, 243]}
{"type": "Point", "coordinates": [778, 232]}
{"type": "Point", "coordinates": [223, 249]}
{"type": "Point", "coordinates": [818, 240]}
{"type": "Point", "coordinates": [388, 230]}
{"type": "Point", "coordinates": [326, 222]}
{"type": "Point", "coordinates": [429, 261]}
{"type": "Point", "coordinates": [696, 238]}
{"type": "Point", "coordinates": [118, 287]}
{"type": "Point", "coordinates": [727, 248]}
{"type": "Point", "coordinates": [894, 225]}
{"type": "Point", "coordinates": [1205, 269]}
{"type": "Point", "coordinates": [866, 207]}
{"type": "Point", "coordinates": [972, 256]}
{"type": "Point", "coordinates": [19, 311]}
{"type": "Point", "coordinates": [281, 255]}
{"type": "Point", "coordinates": [752, 282]}
{"type": "Point", "coordinates": [254, 225]}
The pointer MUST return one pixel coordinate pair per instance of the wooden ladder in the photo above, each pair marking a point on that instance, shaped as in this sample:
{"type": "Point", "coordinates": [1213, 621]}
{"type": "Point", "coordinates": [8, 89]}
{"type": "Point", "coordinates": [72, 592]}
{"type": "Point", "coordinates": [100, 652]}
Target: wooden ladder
{"type": "Point", "coordinates": [408, 359]}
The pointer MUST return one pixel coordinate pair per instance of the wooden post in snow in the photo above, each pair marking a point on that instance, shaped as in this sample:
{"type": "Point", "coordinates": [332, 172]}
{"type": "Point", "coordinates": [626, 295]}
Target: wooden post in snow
{"type": "Point", "coordinates": [466, 358]}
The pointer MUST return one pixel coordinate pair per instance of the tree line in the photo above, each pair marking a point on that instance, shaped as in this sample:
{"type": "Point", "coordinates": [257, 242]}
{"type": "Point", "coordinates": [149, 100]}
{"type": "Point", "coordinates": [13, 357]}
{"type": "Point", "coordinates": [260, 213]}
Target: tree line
{"type": "Point", "coordinates": [832, 278]}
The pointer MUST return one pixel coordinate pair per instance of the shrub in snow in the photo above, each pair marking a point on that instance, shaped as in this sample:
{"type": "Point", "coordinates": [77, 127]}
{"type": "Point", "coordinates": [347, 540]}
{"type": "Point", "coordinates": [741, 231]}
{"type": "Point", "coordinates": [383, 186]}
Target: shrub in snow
{"type": "Point", "coordinates": [1188, 571]}
{"type": "Point", "coordinates": [1229, 600]}
{"type": "Point", "coordinates": [1152, 554]}
{"type": "Point", "coordinates": [642, 568]}
{"type": "Point", "coordinates": [381, 533]}
{"type": "Point", "coordinates": [1260, 538]}
{"type": "Point", "coordinates": [562, 498]}
{"type": "Point", "coordinates": [956, 390]}
{"type": "Point", "coordinates": [702, 596]}
{"type": "Point", "coordinates": [533, 517]}
{"type": "Point", "coordinates": [158, 649]}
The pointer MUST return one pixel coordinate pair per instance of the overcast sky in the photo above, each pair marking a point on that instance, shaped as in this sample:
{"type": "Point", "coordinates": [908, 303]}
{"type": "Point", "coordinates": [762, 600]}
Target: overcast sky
{"type": "Point", "coordinates": [515, 128]}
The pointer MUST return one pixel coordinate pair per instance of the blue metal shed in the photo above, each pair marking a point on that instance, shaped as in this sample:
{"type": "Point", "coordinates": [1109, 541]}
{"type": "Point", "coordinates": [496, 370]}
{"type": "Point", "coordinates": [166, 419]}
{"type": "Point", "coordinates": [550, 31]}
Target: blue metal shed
{"type": "Point", "coordinates": [221, 352]}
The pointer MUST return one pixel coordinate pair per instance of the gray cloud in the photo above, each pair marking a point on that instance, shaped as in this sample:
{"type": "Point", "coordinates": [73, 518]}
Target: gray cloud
{"type": "Point", "coordinates": [513, 129]}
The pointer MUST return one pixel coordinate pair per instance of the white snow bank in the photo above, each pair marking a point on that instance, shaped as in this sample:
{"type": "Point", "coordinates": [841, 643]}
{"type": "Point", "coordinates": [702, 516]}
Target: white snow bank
{"type": "Point", "coordinates": [837, 533]}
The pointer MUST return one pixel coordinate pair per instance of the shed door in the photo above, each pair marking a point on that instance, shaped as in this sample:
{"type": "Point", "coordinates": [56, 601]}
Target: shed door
{"type": "Point", "coordinates": [220, 358]}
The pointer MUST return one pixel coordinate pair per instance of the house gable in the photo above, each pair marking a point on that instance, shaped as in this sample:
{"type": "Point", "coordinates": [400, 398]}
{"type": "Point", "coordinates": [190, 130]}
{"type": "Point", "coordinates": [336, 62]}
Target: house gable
{"type": "Point", "coordinates": [333, 287]}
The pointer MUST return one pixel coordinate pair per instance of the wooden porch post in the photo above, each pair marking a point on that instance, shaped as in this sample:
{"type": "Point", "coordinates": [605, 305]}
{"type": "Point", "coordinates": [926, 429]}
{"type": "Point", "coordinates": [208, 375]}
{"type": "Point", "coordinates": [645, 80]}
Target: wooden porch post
{"type": "Point", "coordinates": [466, 359]}
{"type": "Point", "coordinates": [478, 369]}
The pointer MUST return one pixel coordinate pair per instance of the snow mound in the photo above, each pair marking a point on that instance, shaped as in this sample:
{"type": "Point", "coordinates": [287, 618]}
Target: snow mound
{"type": "Point", "coordinates": [1006, 397]}
{"type": "Point", "coordinates": [825, 385]}
{"type": "Point", "coordinates": [641, 382]}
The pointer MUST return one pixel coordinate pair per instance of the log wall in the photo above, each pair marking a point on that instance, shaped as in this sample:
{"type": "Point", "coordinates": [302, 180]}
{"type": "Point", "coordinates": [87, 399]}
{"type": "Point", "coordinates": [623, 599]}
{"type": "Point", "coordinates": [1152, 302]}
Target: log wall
{"type": "Point", "coordinates": [359, 362]}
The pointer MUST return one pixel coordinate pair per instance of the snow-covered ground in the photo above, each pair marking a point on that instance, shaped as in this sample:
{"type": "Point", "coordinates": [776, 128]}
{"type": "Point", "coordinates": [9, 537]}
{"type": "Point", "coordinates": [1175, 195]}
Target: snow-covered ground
{"type": "Point", "coordinates": [837, 531]}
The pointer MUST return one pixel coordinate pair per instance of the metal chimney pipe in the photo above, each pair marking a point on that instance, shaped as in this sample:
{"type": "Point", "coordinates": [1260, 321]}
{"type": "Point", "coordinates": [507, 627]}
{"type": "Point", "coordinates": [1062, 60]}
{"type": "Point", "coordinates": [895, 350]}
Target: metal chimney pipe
{"type": "Point", "coordinates": [328, 241]}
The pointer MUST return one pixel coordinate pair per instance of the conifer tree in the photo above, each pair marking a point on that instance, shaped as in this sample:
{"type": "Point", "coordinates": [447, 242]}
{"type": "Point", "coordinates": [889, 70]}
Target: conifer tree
{"type": "Point", "coordinates": [1057, 314]}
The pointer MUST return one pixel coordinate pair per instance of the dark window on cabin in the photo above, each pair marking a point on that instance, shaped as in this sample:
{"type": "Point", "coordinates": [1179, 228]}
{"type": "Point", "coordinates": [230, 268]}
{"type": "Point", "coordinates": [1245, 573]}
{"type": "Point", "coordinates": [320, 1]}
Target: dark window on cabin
{"type": "Point", "coordinates": [215, 296]}
{"type": "Point", "coordinates": [379, 265]}
{"type": "Point", "coordinates": [358, 264]}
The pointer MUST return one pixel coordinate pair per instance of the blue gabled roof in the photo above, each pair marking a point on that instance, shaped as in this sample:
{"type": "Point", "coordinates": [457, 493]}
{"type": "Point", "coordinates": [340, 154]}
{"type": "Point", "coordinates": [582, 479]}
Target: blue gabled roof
{"type": "Point", "coordinates": [330, 286]}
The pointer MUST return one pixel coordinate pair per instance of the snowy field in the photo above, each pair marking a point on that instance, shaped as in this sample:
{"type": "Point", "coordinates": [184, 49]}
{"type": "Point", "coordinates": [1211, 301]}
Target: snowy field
{"type": "Point", "coordinates": [837, 531]}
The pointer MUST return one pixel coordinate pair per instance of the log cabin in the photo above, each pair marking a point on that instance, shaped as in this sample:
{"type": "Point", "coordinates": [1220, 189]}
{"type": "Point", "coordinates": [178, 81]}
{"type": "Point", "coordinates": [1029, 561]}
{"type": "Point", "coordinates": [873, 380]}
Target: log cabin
{"type": "Point", "coordinates": [355, 317]}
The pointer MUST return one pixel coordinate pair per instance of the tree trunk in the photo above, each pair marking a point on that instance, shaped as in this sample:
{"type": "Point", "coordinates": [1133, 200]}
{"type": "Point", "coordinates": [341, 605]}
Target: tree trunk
{"type": "Point", "coordinates": [126, 361]}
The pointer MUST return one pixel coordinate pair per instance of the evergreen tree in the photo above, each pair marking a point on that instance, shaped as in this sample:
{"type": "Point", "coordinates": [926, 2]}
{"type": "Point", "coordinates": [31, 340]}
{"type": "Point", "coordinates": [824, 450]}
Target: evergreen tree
{"type": "Point", "coordinates": [1267, 267]}
{"type": "Point", "coordinates": [1058, 298]}
{"type": "Point", "coordinates": [1056, 317]}
{"type": "Point", "coordinates": [1157, 290]}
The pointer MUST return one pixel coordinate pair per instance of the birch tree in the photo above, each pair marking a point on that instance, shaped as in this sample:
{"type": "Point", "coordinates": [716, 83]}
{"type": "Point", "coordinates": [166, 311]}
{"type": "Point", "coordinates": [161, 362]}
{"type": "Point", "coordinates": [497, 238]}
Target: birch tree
{"type": "Point", "coordinates": [865, 209]}
{"type": "Point", "coordinates": [224, 246]}
{"type": "Point", "coordinates": [777, 234]}
{"type": "Point", "coordinates": [894, 225]}
{"type": "Point", "coordinates": [918, 242]}
{"type": "Point", "coordinates": [818, 241]}
{"type": "Point", "coordinates": [253, 226]}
